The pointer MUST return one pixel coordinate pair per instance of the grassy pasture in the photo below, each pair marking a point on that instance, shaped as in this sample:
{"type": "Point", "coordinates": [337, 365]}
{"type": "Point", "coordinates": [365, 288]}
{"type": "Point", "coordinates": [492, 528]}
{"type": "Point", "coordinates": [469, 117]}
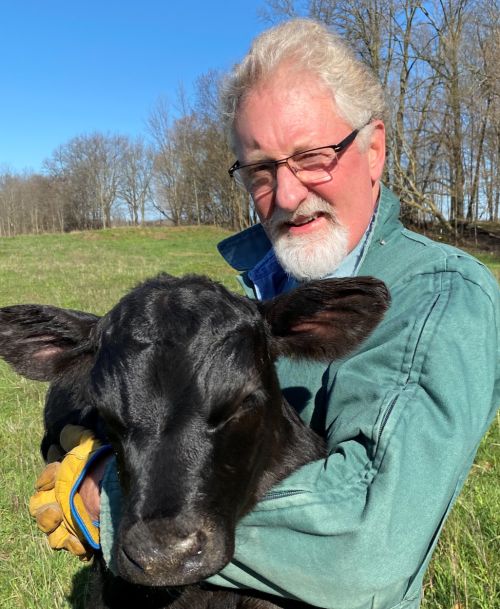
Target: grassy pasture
{"type": "Point", "coordinates": [91, 271]}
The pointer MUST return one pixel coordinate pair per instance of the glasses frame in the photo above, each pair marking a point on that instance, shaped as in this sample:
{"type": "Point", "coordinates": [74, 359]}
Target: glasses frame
{"type": "Point", "coordinates": [337, 148]}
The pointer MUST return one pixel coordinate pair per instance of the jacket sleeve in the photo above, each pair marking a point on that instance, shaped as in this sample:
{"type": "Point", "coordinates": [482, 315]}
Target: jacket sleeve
{"type": "Point", "coordinates": [404, 419]}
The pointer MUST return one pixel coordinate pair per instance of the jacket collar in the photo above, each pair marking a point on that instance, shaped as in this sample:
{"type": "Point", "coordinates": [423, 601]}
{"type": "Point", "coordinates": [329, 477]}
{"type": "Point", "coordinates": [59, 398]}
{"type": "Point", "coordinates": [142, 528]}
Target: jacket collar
{"type": "Point", "coordinates": [247, 248]}
{"type": "Point", "coordinates": [244, 250]}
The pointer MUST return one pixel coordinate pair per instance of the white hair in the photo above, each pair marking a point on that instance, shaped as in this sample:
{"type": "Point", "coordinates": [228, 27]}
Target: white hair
{"type": "Point", "coordinates": [311, 47]}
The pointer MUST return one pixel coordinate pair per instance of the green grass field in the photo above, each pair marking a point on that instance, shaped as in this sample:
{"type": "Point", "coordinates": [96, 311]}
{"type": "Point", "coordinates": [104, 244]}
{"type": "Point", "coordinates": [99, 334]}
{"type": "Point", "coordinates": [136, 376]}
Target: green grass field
{"type": "Point", "coordinates": [91, 271]}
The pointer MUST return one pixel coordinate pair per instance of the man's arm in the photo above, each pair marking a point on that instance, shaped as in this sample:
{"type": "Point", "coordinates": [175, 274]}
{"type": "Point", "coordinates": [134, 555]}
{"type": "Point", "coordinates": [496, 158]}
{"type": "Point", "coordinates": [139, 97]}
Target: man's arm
{"type": "Point", "coordinates": [406, 415]}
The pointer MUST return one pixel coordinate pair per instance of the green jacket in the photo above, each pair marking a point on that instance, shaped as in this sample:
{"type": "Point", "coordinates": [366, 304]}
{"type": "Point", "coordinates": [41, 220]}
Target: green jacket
{"type": "Point", "coordinates": [403, 417]}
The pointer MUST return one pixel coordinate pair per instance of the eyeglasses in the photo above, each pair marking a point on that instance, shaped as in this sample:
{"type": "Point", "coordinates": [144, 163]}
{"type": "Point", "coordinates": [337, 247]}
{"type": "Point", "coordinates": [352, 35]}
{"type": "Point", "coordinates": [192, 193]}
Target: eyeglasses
{"type": "Point", "coordinates": [313, 166]}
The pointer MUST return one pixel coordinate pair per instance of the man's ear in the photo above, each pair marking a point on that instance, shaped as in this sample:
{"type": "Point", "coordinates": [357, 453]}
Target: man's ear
{"type": "Point", "coordinates": [376, 151]}
{"type": "Point", "coordinates": [325, 319]}
{"type": "Point", "coordinates": [36, 339]}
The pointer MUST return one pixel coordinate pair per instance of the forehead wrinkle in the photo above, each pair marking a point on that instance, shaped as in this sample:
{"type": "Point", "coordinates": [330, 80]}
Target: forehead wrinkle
{"type": "Point", "coordinates": [270, 125]}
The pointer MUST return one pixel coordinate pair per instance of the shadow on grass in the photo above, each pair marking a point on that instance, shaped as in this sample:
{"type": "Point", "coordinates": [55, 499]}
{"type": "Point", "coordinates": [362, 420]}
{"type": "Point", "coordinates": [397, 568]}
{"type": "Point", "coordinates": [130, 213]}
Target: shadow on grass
{"type": "Point", "coordinates": [80, 587]}
{"type": "Point", "coordinates": [116, 592]}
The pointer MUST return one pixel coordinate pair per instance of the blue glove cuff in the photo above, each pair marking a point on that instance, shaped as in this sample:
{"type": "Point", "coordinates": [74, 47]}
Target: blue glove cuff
{"type": "Point", "coordinates": [74, 511]}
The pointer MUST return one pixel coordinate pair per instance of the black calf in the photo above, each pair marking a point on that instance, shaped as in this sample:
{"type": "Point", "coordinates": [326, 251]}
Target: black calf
{"type": "Point", "coordinates": [179, 377]}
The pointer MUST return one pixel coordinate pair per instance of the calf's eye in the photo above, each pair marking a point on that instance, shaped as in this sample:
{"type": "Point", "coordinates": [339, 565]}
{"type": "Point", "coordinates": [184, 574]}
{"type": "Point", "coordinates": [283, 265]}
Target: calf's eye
{"type": "Point", "coordinates": [231, 412]}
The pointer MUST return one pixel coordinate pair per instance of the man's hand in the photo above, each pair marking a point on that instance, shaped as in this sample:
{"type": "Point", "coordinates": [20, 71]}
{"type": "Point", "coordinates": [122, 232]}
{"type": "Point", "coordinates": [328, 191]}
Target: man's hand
{"type": "Point", "coordinates": [66, 504]}
{"type": "Point", "coordinates": [90, 489]}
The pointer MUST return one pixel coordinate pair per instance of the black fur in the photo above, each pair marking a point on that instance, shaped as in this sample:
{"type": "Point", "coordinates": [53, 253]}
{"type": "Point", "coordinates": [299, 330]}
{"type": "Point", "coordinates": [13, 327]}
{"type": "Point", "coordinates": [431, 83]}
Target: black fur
{"type": "Point", "coordinates": [179, 377]}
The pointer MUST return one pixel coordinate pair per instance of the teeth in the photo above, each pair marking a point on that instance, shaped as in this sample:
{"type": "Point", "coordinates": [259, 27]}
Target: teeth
{"type": "Point", "coordinates": [304, 221]}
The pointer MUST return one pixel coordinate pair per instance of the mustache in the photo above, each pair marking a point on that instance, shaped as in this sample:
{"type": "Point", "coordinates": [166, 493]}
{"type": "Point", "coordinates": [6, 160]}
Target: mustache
{"type": "Point", "coordinates": [312, 205]}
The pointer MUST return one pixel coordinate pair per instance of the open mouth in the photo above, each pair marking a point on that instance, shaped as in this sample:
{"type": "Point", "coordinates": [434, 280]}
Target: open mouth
{"type": "Point", "coordinates": [302, 223]}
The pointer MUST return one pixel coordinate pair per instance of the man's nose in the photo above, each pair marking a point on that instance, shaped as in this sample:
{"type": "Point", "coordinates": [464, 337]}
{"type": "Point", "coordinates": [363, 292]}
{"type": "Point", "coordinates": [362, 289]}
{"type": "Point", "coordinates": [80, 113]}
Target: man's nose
{"type": "Point", "coordinates": [290, 192]}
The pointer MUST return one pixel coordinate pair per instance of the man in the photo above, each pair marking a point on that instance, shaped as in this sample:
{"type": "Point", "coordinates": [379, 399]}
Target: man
{"type": "Point", "coordinates": [404, 415]}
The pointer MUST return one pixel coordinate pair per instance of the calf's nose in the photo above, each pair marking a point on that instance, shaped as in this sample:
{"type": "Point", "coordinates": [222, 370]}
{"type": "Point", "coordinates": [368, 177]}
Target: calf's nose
{"type": "Point", "coordinates": [191, 545]}
{"type": "Point", "coordinates": [158, 545]}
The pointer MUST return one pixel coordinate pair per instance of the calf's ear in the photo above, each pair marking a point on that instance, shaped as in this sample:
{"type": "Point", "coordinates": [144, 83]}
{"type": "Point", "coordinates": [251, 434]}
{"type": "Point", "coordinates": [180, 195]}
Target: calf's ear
{"type": "Point", "coordinates": [325, 319]}
{"type": "Point", "coordinates": [36, 340]}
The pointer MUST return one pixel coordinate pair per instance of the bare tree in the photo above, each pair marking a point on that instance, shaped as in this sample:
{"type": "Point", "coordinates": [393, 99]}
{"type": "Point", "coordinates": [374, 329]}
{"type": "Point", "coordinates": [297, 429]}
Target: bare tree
{"type": "Point", "coordinates": [167, 172]}
{"type": "Point", "coordinates": [191, 161]}
{"type": "Point", "coordinates": [136, 174]}
{"type": "Point", "coordinates": [226, 204]}
{"type": "Point", "coordinates": [28, 204]}
{"type": "Point", "coordinates": [87, 169]}
{"type": "Point", "coordinates": [102, 159]}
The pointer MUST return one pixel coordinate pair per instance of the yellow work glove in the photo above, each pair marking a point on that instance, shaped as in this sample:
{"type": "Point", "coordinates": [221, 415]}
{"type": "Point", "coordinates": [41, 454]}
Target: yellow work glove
{"type": "Point", "coordinates": [57, 506]}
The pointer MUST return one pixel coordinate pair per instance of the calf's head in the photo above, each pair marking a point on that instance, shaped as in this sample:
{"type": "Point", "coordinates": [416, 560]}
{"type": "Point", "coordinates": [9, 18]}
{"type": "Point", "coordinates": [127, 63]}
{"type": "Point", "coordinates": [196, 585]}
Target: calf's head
{"type": "Point", "coordinates": [179, 377]}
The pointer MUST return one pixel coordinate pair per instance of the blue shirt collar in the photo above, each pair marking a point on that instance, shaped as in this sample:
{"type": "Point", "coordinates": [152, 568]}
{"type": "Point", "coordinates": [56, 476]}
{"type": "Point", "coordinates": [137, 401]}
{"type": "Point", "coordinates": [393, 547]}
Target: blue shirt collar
{"type": "Point", "coordinates": [250, 251]}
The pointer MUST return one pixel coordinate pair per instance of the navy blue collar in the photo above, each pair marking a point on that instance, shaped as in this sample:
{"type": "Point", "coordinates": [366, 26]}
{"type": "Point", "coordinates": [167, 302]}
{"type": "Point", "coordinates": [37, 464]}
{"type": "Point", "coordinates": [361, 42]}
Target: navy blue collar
{"type": "Point", "coordinates": [245, 249]}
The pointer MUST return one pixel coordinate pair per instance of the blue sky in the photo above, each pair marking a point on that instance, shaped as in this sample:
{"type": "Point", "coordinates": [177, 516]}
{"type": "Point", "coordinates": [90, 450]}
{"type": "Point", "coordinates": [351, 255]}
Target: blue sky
{"type": "Point", "coordinates": [71, 67]}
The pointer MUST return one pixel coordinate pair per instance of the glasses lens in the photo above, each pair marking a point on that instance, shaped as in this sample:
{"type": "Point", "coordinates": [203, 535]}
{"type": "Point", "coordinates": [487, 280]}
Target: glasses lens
{"type": "Point", "coordinates": [257, 179]}
{"type": "Point", "coordinates": [314, 166]}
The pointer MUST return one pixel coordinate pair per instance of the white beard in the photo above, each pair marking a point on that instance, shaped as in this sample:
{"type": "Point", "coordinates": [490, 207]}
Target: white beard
{"type": "Point", "coordinates": [308, 256]}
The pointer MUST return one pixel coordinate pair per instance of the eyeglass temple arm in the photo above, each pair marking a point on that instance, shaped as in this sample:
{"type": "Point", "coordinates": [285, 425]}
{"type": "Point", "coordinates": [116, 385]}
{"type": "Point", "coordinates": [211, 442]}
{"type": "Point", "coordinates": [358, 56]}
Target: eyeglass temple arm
{"type": "Point", "coordinates": [233, 168]}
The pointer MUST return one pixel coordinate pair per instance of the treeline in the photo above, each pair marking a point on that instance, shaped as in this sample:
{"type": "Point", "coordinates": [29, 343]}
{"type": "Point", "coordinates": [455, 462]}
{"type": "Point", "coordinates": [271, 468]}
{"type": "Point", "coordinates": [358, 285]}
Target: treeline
{"type": "Point", "coordinates": [438, 62]}
{"type": "Point", "coordinates": [179, 173]}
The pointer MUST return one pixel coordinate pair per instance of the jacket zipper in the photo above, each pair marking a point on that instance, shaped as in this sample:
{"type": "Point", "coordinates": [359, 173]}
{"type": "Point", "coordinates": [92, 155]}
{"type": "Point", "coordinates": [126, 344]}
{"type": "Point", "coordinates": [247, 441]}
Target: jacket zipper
{"type": "Point", "coordinates": [279, 494]}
